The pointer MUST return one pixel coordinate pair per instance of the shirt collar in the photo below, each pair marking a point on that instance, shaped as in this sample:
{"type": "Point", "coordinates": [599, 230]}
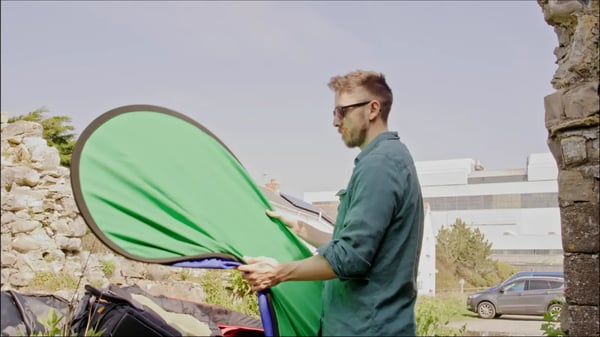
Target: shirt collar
{"type": "Point", "coordinates": [388, 135]}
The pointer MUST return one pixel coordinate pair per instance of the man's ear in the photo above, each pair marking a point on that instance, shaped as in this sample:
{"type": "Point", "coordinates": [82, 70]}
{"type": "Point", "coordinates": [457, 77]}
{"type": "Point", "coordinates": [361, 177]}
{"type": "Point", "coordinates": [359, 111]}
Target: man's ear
{"type": "Point", "coordinates": [374, 109]}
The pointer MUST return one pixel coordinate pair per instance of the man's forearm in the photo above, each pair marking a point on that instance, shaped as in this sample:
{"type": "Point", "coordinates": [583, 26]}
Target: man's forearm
{"type": "Point", "coordinates": [313, 268]}
{"type": "Point", "coordinates": [312, 235]}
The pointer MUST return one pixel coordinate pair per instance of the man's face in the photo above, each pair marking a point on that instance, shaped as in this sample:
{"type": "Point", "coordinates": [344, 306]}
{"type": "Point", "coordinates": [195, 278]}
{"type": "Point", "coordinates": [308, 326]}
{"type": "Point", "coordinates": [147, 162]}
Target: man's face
{"type": "Point", "coordinates": [352, 122]}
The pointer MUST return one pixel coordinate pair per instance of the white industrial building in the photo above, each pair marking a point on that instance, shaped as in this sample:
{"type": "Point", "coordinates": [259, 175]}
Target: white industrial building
{"type": "Point", "coordinates": [517, 210]}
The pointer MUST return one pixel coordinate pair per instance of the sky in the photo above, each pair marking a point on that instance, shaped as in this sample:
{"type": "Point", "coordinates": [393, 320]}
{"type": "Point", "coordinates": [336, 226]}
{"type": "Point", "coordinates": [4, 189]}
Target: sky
{"type": "Point", "coordinates": [468, 77]}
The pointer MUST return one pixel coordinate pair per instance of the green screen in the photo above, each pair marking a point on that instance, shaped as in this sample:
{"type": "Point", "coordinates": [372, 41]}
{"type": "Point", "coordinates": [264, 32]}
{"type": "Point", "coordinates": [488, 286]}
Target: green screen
{"type": "Point", "coordinates": [157, 187]}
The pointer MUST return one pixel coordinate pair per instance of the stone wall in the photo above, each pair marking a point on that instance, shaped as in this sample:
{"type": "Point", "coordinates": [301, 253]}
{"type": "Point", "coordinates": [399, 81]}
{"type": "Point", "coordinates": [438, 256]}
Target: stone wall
{"type": "Point", "coordinates": [572, 120]}
{"type": "Point", "coordinates": [46, 243]}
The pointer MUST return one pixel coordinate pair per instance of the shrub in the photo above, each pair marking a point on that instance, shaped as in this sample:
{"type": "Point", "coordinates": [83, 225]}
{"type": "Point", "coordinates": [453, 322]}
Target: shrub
{"type": "Point", "coordinates": [108, 267]}
{"type": "Point", "coordinates": [434, 314]}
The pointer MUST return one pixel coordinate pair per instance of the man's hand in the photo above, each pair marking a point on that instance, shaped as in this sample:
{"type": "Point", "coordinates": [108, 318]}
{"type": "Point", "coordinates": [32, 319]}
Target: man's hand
{"type": "Point", "coordinates": [294, 225]}
{"type": "Point", "coordinates": [306, 232]}
{"type": "Point", "coordinates": [260, 272]}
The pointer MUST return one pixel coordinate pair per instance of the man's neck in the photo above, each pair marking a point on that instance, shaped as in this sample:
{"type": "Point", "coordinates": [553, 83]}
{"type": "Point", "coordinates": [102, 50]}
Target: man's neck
{"type": "Point", "coordinates": [375, 130]}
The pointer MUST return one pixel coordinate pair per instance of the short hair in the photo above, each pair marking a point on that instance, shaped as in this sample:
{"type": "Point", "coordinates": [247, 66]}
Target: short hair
{"type": "Point", "coordinates": [374, 82]}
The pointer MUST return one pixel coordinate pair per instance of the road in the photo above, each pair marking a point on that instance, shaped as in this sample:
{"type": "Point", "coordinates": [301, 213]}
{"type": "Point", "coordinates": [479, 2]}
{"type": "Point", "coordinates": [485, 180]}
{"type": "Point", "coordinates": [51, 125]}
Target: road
{"type": "Point", "coordinates": [506, 325]}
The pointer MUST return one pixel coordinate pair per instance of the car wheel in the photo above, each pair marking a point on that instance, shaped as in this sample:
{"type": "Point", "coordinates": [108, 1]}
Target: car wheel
{"type": "Point", "coordinates": [555, 309]}
{"type": "Point", "coordinates": [486, 310]}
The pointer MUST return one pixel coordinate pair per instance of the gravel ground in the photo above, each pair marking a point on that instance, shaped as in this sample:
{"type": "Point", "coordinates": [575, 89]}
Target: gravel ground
{"type": "Point", "coordinates": [506, 325]}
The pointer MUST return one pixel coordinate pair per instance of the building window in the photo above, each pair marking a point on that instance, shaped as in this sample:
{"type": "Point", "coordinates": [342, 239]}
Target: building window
{"type": "Point", "coordinates": [497, 201]}
{"type": "Point", "coordinates": [499, 179]}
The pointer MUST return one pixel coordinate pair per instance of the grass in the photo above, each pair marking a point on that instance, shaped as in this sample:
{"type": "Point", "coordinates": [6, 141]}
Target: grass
{"type": "Point", "coordinates": [226, 288]}
{"type": "Point", "coordinates": [45, 280]}
{"type": "Point", "coordinates": [108, 267]}
{"type": "Point", "coordinates": [434, 313]}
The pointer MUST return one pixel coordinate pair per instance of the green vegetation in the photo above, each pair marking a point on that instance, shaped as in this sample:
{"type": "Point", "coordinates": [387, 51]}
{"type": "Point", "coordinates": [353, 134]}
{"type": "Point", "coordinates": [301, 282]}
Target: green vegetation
{"type": "Point", "coordinates": [434, 313]}
{"type": "Point", "coordinates": [56, 132]}
{"type": "Point", "coordinates": [239, 287]}
{"type": "Point", "coordinates": [51, 324]}
{"type": "Point", "coordinates": [50, 281]}
{"type": "Point", "coordinates": [228, 289]}
{"type": "Point", "coordinates": [464, 253]}
{"type": "Point", "coordinates": [52, 327]}
{"type": "Point", "coordinates": [108, 267]}
{"type": "Point", "coordinates": [551, 325]}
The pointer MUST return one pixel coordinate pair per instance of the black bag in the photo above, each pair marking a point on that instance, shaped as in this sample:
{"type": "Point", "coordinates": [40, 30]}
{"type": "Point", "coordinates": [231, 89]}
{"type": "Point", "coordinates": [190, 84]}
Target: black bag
{"type": "Point", "coordinates": [115, 313]}
{"type": "Point", "coordinates": [23, 314]}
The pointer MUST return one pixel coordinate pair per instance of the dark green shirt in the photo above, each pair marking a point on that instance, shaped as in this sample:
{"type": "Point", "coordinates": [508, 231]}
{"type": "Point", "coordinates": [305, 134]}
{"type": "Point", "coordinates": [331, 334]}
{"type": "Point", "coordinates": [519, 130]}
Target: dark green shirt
{"type": "Point", "coordinates": [375, 246]}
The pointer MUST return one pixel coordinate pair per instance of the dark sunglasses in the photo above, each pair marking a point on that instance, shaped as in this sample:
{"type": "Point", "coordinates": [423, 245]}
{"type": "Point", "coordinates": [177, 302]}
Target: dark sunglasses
{"type": "Point", "coordinates": [340, 111]}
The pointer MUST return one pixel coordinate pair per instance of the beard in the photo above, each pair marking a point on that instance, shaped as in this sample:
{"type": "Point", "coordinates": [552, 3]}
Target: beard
{"type": "Point", "coordinates": [356, 137]}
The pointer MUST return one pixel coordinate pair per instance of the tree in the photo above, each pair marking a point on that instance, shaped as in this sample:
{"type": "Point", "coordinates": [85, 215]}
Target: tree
{"type": "Point", "coordinates": [468, 253]}
{"type": "Point", "coordinates": [56, 132]}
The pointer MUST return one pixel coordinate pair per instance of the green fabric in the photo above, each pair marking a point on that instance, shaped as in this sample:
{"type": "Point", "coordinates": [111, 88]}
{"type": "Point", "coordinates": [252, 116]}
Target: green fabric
{"type": "Point", "coordinates": [161, 188]}
{"type": "Point", "coordinates": [375, 246]}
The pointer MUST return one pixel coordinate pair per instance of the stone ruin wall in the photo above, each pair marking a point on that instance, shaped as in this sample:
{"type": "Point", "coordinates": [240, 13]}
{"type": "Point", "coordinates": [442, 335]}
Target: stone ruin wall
{"type": "Point", "coordinates": [43, 232]}
{"type": "Point", "coordinates": [572, 120]}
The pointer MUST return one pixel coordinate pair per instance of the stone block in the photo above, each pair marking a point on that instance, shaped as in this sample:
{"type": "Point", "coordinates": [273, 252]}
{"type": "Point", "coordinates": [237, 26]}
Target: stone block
{"type": "Point", "coordinates": [580, 228]}
{"type": "Point", "coordinates": [556, 150]}
{"type": "Point", "coordinates": [581, 279]}
{"type": "Point", "coordinates": [23, 129]}
{"type": "Point", "coordinates": [554, 107]}
{"type": "Point", "coordinates": [583, 320]}
{"type": "Point", "coordinates": [8, 259]}
{"type": "Point", "coordinates": [593, 150]}
{"type": "Point", "coordinates": [24, 226]}
{"type": "Point", "coordinates": [574, 187]}
{"type": "Point", "coordinates": [560, 11]}
{"type": "Point", "coordinates": [6, 242]}
{"type": "Point", "coordinates": [590, 171]}
{"type": "Point", "coordinates": [574, 150]}
{"type": "Point", "coordinates": [158, 272]}
{"type": "Point", "coordinates": [581, 101]}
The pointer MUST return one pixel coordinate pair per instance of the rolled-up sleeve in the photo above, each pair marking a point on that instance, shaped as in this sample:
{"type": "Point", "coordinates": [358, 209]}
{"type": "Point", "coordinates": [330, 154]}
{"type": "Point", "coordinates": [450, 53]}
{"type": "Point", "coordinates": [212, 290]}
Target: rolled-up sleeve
{"type": "Point", "coordinates": [373, 197]}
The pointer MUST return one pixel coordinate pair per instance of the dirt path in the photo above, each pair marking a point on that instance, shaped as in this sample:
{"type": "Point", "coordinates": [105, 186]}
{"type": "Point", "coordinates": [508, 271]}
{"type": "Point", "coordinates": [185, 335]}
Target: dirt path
{"type": "Point", "coordinates": [507, 325]}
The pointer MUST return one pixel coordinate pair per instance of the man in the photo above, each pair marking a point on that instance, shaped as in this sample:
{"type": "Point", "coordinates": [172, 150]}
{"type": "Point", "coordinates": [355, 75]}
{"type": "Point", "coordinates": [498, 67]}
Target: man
{"type": "Point", "coordinates": [370, 262]}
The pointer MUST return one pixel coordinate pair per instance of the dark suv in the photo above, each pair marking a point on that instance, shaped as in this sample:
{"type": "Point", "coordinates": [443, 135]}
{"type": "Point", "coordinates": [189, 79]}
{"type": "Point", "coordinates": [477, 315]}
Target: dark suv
{"type": "Point", "coordinates": [533, 273]}
{"type": "Point", "coordinates": [529, 295]}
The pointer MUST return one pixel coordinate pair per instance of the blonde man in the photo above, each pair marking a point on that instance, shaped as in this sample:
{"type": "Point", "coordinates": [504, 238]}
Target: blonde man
{"type": "Point", "coordinates": [369, 263]}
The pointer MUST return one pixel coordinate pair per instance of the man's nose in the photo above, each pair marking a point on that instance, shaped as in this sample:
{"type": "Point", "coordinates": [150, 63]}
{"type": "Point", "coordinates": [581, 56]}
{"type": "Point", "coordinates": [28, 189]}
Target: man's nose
{"type": "Point", "coordinates": [336, 121]}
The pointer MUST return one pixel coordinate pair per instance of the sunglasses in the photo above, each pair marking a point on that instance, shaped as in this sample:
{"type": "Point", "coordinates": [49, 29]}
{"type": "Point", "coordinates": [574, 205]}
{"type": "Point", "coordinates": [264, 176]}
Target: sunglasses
{"type": "Point", "coordinates": [340, 111]}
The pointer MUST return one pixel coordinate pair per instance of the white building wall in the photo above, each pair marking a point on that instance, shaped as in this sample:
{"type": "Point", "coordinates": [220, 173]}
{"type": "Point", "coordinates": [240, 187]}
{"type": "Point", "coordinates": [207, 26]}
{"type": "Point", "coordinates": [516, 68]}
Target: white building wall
{"type": "Point", "coordinates": [509, 228]}
{"type": "Point", "coordinates": [546, 186]}
{"type": "Point", "coordinates": [455, 172]}
{"type": "Point", "coordinates": [541, 166]}
{"type": "Point", "coordinates": [426, 275]}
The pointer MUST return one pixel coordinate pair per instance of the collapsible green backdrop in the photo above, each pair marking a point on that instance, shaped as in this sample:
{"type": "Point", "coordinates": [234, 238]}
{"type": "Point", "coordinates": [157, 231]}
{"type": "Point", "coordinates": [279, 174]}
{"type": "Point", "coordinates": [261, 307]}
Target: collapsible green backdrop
{"type": "Point", "coordinates": [158, 187]}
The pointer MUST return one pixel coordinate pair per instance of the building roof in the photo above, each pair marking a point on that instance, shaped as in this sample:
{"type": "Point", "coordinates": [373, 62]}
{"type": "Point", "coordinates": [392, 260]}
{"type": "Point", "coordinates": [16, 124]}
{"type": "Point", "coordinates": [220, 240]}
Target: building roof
{"type": "Point", "coordinates": [279, 200]}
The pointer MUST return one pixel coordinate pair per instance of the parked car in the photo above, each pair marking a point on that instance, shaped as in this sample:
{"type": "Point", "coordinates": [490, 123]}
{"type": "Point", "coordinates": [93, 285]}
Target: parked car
{"type": "Point", "coordinates": [529, 295]}
{"type": "Point", "coordinates": [529, 273]}
{"type": "Point", "coordinates": [533, 273]}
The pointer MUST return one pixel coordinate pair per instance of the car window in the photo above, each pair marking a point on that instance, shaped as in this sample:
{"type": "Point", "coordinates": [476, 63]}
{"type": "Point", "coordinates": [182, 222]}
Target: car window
{"type": "Point", "coordinates": [539, 285]}
{"type": "Point", "coordinates": [556, 284]}
{"type": "Point", "coordinates": [515, 286]}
